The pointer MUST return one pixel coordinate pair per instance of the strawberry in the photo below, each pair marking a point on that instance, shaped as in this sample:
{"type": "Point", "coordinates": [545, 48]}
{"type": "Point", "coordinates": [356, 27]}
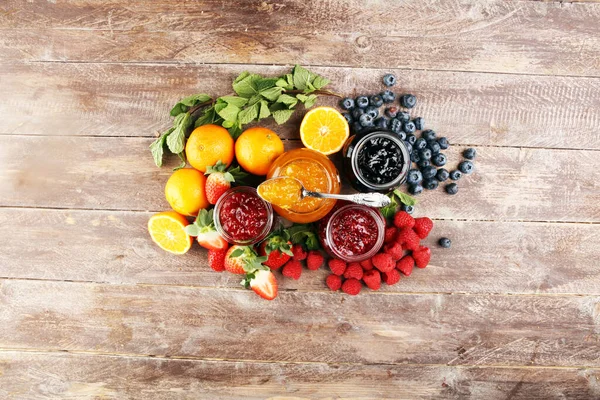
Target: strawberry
{"type": "Point", "coordinates": [219, 180]}
{"type": "Point", "coordinates": [299, 252]}
{"type": "Point", "coordinates": [278, 249]}
{"type": "Point", "coordinates": [402, 219]}
{"type": "Point", "coordinates": [264, 284]}
{"type": "Point", "coordinates": [216, 259]}
{"type": "Point", "coordinates": [204, 230]}
{"type": "Point", "coordinates": [372, 279]}
{"type": "Point", "coordinates": [292, 269]}
{"type": "Point", "coordinates": [354, 270]}
{"type": "Point", "coordinates": [422, 256]}
{"type": "Point", "coordinates": [334, 282]}
{"type": "Point", "coordinates": [351, 286]}
{"type": "Point", "coordinates": [406, 265]}
{"type": "Point", "coordinates": [314, 260]}
{"type": "Point", "coordinates": [408, 239]}
{"type": "Point", "coordinates": [390, 234]}
{"type": "Point", "coordinates": [242, 259]}
{"type": "Point", "coordinates": [423, 226]}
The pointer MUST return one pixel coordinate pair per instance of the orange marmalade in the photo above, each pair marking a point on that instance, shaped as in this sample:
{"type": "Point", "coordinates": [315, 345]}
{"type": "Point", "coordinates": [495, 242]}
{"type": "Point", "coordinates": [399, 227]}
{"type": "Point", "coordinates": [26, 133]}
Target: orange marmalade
{"type": "Point", "coordinates": [316, 173]}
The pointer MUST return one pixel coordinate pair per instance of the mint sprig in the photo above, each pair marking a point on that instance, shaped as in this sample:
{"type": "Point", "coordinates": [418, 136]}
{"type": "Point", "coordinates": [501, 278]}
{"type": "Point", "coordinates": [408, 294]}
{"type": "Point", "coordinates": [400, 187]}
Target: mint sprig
{"type": "Point", "coordinates": [397, 197]}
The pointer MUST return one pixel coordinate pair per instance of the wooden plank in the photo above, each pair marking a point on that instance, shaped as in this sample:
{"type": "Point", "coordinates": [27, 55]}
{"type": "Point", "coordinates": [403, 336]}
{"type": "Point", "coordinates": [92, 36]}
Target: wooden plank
{"type": "Point", "coordinates": [35, 375]}
{"type": "Point", "coordinates": [119, 174]}
{"type": "Point", "coordinates": [133, 100]}
{"type": "Point", "coordinates": [300, 326]}
{"type": "Point", "coordinates": [513, 258]}
{"type": "Point", "coordinates": [493, 36]}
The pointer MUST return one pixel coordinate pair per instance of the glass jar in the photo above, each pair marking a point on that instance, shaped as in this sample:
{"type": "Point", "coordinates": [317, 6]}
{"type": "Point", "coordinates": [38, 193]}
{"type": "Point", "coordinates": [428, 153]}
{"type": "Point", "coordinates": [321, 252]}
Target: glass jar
{"type": "Point", "coordinates": [317, 173]}
{"type": "Point", "coordinates": [353, 233]}
{"type": "Point", "coordinates": [376, 161]}
{"type": "Point", "coordinates": [242, 217]}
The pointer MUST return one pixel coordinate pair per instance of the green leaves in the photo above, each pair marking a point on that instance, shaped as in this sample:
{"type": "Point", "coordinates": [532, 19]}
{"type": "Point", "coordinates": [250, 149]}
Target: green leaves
{"type": "Point", "coordinates": [281, 116]}
{"type": "Point", "coordinates": [157, 147]}
{"type": "Point", "coordinates": [397, 197]}
{"type": "Point", "coordinates": [404, 198]}
{"type": "Point", "coordinates": [176, 139]}
{"type": "Point", "coordinates": [307, 81]}
{"type": "Point", "coordinates": [249, 114]}
{"type": "Point", "coordinates": [187, 102]}
{"type": "Point", "coordinates": [305, 234]}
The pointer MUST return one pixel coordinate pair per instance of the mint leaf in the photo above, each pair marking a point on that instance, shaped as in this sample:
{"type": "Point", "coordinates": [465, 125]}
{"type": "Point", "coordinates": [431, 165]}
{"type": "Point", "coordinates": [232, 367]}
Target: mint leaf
{"type": "Point", "coordinates": [183, 161]}
{"type": "Point", "coordinates": [312, 242]}
{"type": "Point", "coordinates": [157, 147]}
{"type": "Point", "coordinates": [310, 101]}
{"type": "Point", "coordinates": [265, 83]}
{"type": "Point", "coordinates": [319, 82]}
{"type": "Point", "coordinates": [195, 99]}
{"type": "Point", "coordinates": [178, 109]}
{"type": "Point", "coordinates": [389, 210]}
{"type": "Point", "coordinates": [287, 99]}
{"type": "Point", "coordinates": [234, 100]}
{"type": "Point", "coordinates": [254, 99]}
{"type": "Point", "coordinates": [271, 93]}
{"type": "Point", "coordinates": [229, 113]}
{"type": "Point", "coordinates": [248, 114]}
{"type": "Point", "coordinates": [246, 87]}
{"type": "Point", "coordinates": [206, 118]}
{"type": "Point", "coordinates": [220, 105]}
{"type": "Point", "coordinates": [301, 97]}
{"type": "Point", "coordinates": [241, 76]}
{"type": "Point", "coordinates": [281, 116]}
{"type": "Point", "coordinates": [176, 140]}
{"type": "Point", "coordinates": [302, 77]}
{"type": "Point", "coordinates": [227, 124]}
{"type": "Point", "coordinates": [264, 110]}
{"type": "Point", "coordinates": [404, 198]}
{"type": "Point", "coordinates": [235, 131]}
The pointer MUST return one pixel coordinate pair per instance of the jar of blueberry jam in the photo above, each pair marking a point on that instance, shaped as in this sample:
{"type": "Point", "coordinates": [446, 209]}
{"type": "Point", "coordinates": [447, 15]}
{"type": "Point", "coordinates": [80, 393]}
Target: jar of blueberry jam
{"type": "Point", "coordinates": [242, 217]}
{"type": "Point", "coordinates": [376, 161]}
{"type": "Point", "coordinates": [353, 232]}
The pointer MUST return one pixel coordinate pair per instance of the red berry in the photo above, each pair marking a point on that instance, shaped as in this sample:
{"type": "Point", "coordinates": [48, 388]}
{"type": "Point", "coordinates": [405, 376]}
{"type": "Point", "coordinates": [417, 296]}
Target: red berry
{"type": "Point", "coordinates": [406, 265]}
{"type": "Point", "coordinates": [351, 286]}
{"type": "Point", "coordinates": [422, 256]}
{"type": "Point", "coordinates": [299, 253]}
{"type": "Point", "coordinates": [314, 260]}
{"type": "Point", "coordinates": [390, 234]}
{"type": "Point", "coordinates": [372, 279]}
{"type": "Point", "coordinates": [394, 249]}
{"type": "Point", "coordinates": [423, 226]}
{"type": "Point", "coordinates": [354, 270]}
{"type": "Point", "coordinates": [402, 219]}
{"type": "Point", "coordinates": [292, 269]}
{"type": "Point", "coordinates": [391, 277]}
{"type": "Point", "coordinates": [366, 264]}
{"type": "Point", "coordinates": [337, 266]}
{"type": "Point", "coordinates": [408, 239]}
{"type": "Point", "coordinates": [383, 262]}
{"type": "Point", "coordinates": [334, 282]}
{"type": "Point", "coordinates": [216, 259]}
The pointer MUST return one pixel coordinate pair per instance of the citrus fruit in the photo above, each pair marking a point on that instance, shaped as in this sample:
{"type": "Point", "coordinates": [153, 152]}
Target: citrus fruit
{"type": "Point", "coordinates": [185, 191]}
{"type": "Point", "coordinates": [324, 129]}
{"type": "Point", "coordinates": [257, 148]}
{"type": "Point", "coordinates": [167, 230]}
{"type": "Point", "coordinates": [208, 144]}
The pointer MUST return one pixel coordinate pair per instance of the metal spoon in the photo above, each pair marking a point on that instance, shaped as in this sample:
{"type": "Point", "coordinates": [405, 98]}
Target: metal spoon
{"type": "Point", "coordinates": [367, 199]}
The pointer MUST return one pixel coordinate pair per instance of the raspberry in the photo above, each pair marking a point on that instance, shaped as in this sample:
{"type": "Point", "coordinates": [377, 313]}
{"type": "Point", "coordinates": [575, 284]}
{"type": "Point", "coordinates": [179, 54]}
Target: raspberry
{"type": "Point", "coordinates": [292, 269]}
{"type": "Point", "coordinates": [383, 262]}
{"type": "Point", "coordinates": [372, 279]}
{"type": "Point", "coordinates": [391, 277]}
{"type": "Point", "coordinates": [314, 260]}
{"type": "Point", "coordinates": [351, 286]}
{"type": "Point", "coordinates": [405, 265]}
{"type": "Point", "coordinates": [299, 253]}
{"type": "Point", "coordinates": [336, 266]}
{"type": "Point", "coordinates": [408, 239]}
{"type": "Point", "coordinates": [423, 227]}
{"type": "Point", "coordinates": [422, 256]}
{"type": "Point", "coordinates": [402, 219]}
{"type": "Point", "coordinates": [334, 282]}
{"type": "Point", "coordinates": [354, 270]}
{"type": "Point", "coordinates": [366, 264]}
{"type": "Point", "coordinates": [394, 249]}
{"type": "Point", "coordinates": [390, 234]}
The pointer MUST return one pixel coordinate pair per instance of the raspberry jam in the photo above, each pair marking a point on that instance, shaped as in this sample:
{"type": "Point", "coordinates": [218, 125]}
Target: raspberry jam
{"type": "Point", "coordinates": [242, 217]}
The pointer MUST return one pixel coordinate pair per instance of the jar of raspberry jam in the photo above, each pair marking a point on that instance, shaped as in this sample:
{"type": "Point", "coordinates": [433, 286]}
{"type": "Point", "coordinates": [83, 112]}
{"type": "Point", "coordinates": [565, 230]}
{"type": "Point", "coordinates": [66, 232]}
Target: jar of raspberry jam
{"type": "Point", "coordinates": [242, 217]}
{"type": "Point", "coordinates": [353, 232]}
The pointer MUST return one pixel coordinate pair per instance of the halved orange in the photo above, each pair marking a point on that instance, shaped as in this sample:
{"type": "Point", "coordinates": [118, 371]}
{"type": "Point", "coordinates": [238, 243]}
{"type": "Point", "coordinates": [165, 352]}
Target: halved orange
{"type": "Point", "coordinates": [167, 230]}
{"type": "Point", "coordinates": [324, 129]}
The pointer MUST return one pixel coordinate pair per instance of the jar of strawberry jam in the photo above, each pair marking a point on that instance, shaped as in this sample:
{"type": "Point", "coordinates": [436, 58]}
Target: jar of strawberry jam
{"type": "Point", "coordinates": [353, 232]}
{"type": "Point", "coordinates": [242, 217]}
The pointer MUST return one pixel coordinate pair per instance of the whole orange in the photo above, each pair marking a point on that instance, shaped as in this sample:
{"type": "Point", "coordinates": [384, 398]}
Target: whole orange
{"type": "Point", "coordinates": [257, 148]}
{"type": "Point", "coordinates": [208, 144]}
{"type": "Point", "coordinates": [185, 191]}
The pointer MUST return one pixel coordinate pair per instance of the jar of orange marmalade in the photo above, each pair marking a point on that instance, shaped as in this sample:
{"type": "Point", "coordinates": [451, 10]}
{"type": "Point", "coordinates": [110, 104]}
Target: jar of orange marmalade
{"type": "Point", "coordinates": [317, 173]}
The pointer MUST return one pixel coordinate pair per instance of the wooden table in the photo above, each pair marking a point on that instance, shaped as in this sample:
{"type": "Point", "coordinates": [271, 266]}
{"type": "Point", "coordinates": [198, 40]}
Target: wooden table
{"type": "Point", "coordinates": [91, 309]}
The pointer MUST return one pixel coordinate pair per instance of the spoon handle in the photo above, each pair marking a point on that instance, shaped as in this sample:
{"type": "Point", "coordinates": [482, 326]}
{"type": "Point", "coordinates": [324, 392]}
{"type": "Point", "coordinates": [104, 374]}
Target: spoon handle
{"type": "Point", "coordinates": [366, 199]}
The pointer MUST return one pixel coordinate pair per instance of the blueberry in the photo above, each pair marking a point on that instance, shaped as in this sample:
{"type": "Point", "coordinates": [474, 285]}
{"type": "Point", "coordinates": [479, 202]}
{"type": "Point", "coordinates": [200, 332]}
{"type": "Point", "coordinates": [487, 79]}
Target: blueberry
{"type": "Point", "coordinates": [402, 135]}
{"type": "Point", "coordinates": [433, 146]}
{"type": "Point", "coordinates": [411, 138]}
{"type": "Point", "coordinates": [408, 209]}
{"type": "Point", "coordinates": [366, 120]}
{"type": "Point", "coordinates": [408, 101]}
{"type": "Point", "coordinates": [403, 116]}
{"type": "Point", "coordinates": [414, 156]}
{"type": "Point", "coordinates": [470, 153]}
{"type": "Point", "coordinates": [409, 127]}
{"type": "Point", "coordinates": [428, 135]}
{"type": "Point", "coordinates": [443, 142]}
{"type": "Point", "coordinates": [439, 160]}
{"type": "Point", "coordinates": [451, 188]}
{"type": "Point", "coordinates": [445, 242]}
{"type": "Point", "coordinates": [408, 146]}
{"type": "Point", "coordinates": [388, 96]}
{"type": "Point", "coordinates": [415, 189]}
{"type": "Point", "coordinates": [376, 101]}
{"type": "Point", "coordinates": [430, 184]}
{"type": "Point", "coordinates": [356, 127]}
{"type": "Point", "coordinates": [428, 172]}
{"type": "Point", "coordinates": [391, 112]}
{"type": "Point", "coordinates": [442, 174]}
{"type": "Point", "coordinates": [357, 112]}
{"type": "Point", "coordinates": [466, 167]}
{"type": "Point", "coordinates": [420, 144]}
{"type": "Point", "coordinates": [455, 175]}
{"type": "Point", "coordinates": [419, 123]}
{"type": "Point", "coordinates": [347, 103]}
{"type": "Point", "coordinates": [395, 125]}
{"type": "Point", "coordinates": [425, 154]}
{"type": "Point", "coordinates": [381, 123]}
{"type": "Point", "coordinates": [423, 162]}
{"type": "Point", "coordinates": [373, 111]}
{"type": "Point", "coordinates": [389, 80]}
{"type": "Point", "coordinates": [362, 101]}
{"type": "Point", "coordinates": [414, 176]}
{"type": "Point", "coordinates": [348, 117]}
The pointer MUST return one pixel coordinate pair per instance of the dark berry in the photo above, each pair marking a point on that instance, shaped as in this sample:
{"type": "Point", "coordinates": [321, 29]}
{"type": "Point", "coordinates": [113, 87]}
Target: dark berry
{"type": "Point", "coordinates": [362, 101]}
{"type": "Point", "coordinates": [403, 116]}
{"type": "Point", "coordinates": [415, 189]}
{"type": "Point", "coordinates": [425, 154]}
{"type": "Point", "coordinates": [434, 146]}
{"type": "Point", "coordinates": [402, 135]}
{"type": "Point", "coordinates": [470, 153]}
{"type": "Point", "coordinates": [451, 188]}
{"type": "Point", "coordinates": [409, 127]}
{"type": "Point", "coordinates": [408, 101]}
{"type": "Point", "coordinates": [389, 80]}
{"type": "Point", "coordinates": [408, 146]}
{"type": "Point", "coordinates": [381, 123]}
{"type": "Point", "coordinates": [372, 111]}
{"type": "Point", "coordinates": [411, 139]}
{"type": "Point", "coordinates": [366, 120]}
{"type": "Point", "coordinates": [445, 242]}
{"type": "Point", "coordinates": [357, 112]}
{"type": "Point", "coordinates": [439, 160]}
{"type": "Point", "coordinates": [420, 144]}
{"type": "Point", "coordinates": [423, 162]}
{"type": "Point", "coordinates": [414, 176]}
{"type": "Point", "coordinates": [455, 175]}
{"type": "Point", "coordinates": [428, 172]}
{"type": "Point", "coordinates": [388, 96]}
{"type": "Point", "coordinates": [376, 101]}
{"type": "Point", "coordinates": [443, 142]}
{"type": "Point", "coordinates": [347, 103]}
{"type": "Point", "coordinates": [419, 123]}
{"type": "Point", "coordinates": [442, 174]}
{"type": "Point", "coordinates": [428, 135]}
{"type": "Point", "coordinates": [395, 125]}
{"type": "Point", "coordinates": [430, 184]}
{"type": "Point", "coordinates": [348, 117]}
{"type": "Point", "coordinates": [356, 127]}
{"type": "Point", "coordinates": [408, 209]}
{"type": "Point", "coordinates": [414, 156]}
{"type": "Point", "coordinates": [391, 112]}
{"type": "Point", "coordinates": [466, 167]}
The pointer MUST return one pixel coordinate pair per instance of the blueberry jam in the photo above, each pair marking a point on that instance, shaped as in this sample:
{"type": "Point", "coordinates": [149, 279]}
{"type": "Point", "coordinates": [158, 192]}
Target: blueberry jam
{"type": "Point", "coordinates": [380, 160]}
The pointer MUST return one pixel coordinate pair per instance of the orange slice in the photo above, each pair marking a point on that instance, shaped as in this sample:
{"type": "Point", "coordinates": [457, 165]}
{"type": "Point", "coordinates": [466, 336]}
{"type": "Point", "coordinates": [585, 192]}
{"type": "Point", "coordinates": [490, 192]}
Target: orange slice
{"type": "Point", "coordinates": [167, 230]}
{"type": "Point", "coordinates": [324, 129]}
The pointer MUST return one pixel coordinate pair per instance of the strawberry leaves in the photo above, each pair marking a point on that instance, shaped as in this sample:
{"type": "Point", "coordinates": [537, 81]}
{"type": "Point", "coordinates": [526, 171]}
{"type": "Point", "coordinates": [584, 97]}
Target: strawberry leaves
{"type": "Point", "coordinates": [305, 234]}
{"type": "Point", "coordinates": [203, 223]}
{"type": "Point", "coordinates": [232, 175]}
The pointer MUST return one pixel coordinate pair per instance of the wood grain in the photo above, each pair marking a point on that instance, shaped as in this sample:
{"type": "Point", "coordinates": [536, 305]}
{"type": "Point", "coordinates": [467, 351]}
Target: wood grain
{"type": "Point", "coordinates": [33, 375]}
{"type": "Point", "coordinates": [134, 100]}
{"type": "Point", "coordinates": [493, 35]}
{"type": "Point", "coordinates": [119, 174]}
{"type": "Point", "coordinates": [513, 258]}
{"type": "Point", "coordinates": [298, 326]}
